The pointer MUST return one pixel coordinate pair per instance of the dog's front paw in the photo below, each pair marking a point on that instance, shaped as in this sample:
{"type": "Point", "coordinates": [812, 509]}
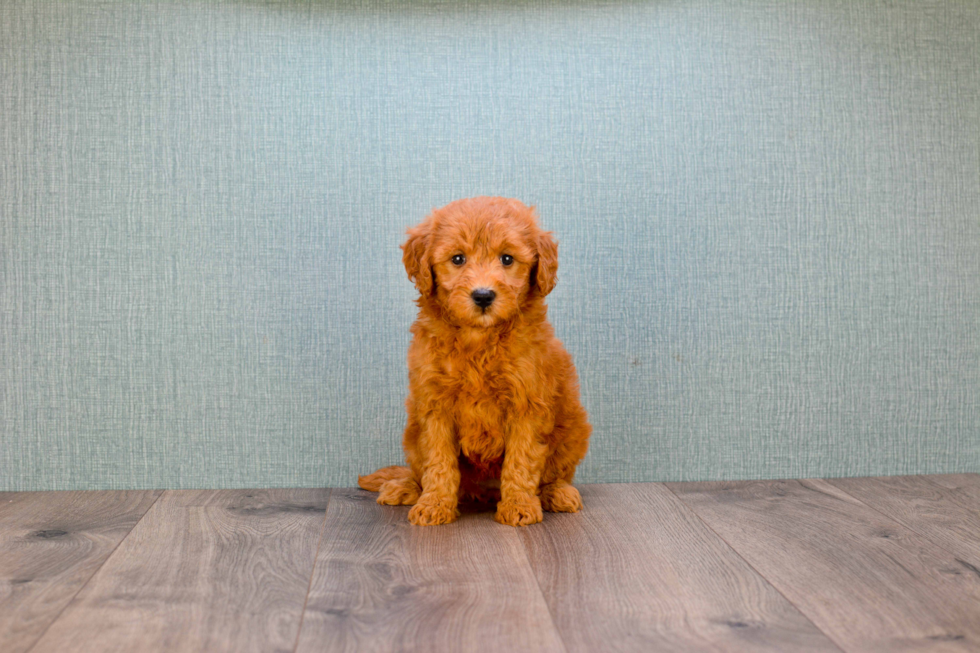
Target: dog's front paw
{"type": "Point", "coordinates": [560, 497]}
{"type": "Point", "coordinates": [523, 511]}
{"type": "Point", "coordinates": [432, 512]}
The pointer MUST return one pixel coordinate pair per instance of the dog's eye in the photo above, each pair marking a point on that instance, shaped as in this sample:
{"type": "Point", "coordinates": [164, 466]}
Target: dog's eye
{"type": "Point", "coordinates": [507, 260]}
{"type": "Point", "coordinates": [459, 259]}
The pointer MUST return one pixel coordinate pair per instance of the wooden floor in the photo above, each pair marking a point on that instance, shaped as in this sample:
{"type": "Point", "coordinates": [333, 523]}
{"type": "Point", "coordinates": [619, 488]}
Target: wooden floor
{"type": "Point", "coordinates": [884, 564]}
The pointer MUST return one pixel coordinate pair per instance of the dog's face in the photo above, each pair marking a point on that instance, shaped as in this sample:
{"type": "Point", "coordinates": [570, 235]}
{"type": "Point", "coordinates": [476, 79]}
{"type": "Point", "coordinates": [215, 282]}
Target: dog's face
{"type": "Point", "coordinates": [481, 259]}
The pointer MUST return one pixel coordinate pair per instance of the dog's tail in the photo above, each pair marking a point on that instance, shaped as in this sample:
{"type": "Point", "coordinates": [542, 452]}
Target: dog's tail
{"type": "Point", "coordinates": [373, 482]}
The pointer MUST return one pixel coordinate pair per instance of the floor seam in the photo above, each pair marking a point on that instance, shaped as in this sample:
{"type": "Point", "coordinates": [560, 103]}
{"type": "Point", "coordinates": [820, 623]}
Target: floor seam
{"type": "Point", "coordinates": [316, 556]}
{"type": "Point", "coordinates": [768, 582]}
{"type": "Point", "coordinates": [537, 583]}
{"type": "Point", "coordinates": [94, 574]}
{"type": "Point", "coordinates": [899, 520]}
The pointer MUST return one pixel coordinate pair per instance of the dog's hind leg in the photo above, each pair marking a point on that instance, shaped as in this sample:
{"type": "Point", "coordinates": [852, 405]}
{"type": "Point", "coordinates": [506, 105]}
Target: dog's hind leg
{"type": "Point", "coordinates": [560, 496]}
{"type": "Point", "coordinates": [373, 482]}
{"type": "Point", "coordinates": [556, 490]}
{"type": "Point", "coordinates": [396, 485]}
{"type": "Point", "coordinates": [400, 492]}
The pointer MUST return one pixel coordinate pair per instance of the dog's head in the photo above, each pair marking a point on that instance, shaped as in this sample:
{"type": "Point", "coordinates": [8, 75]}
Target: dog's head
{"type": "Point", "coordinates": [481, 259]}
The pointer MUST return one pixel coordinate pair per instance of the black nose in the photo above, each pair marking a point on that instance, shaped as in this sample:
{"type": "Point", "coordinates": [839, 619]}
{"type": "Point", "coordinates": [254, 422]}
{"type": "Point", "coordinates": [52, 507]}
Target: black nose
{"type": "Point", "coordinates": [483, 297]}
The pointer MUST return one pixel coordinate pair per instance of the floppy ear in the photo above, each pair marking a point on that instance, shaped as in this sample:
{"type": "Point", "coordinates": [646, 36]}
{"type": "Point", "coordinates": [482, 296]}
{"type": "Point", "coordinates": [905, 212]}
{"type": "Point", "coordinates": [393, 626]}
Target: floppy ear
{"type": "Point", "coordinates": [546, 269]}
{"type": "Point", "coordinates": [415, 257]}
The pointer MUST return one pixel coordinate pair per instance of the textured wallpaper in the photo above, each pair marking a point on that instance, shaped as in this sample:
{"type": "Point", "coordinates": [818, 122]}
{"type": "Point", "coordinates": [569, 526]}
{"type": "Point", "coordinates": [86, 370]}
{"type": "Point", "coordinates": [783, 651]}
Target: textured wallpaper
{"type": "Point", "coordinates": [769, 215]}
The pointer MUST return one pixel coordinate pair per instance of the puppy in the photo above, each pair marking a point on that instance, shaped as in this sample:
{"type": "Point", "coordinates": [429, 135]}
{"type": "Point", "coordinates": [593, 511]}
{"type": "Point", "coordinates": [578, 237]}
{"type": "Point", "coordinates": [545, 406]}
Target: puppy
{"type": "Point", "coordinates": [493, 400]}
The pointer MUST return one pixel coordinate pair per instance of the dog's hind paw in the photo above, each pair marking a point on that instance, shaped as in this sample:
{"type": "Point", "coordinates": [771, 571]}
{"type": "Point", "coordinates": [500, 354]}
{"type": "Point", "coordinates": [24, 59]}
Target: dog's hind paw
{"type": "Point", "coordinates": [521, 512]}
{"type": "Point", "coordinates": [399, 492]}
{"type": "Point", "coordinates": [560, 497]}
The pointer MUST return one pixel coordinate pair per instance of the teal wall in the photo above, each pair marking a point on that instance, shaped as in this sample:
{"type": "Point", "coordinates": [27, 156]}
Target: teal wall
{"type": "Point", "coordinates": [769, 214]}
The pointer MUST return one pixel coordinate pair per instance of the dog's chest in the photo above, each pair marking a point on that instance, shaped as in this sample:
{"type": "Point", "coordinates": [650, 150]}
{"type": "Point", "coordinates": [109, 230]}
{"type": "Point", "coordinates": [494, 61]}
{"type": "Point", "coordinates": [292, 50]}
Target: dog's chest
{"type": "Point", "coordinates": [480, 398]}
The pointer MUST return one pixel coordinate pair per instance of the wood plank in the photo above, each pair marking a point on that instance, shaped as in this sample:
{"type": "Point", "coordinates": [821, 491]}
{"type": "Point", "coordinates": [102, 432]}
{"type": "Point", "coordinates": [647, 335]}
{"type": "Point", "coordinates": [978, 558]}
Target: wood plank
{"type": "Point", "coordinates": [967, 485]}
{"type": "Point", "coordinates": [931, 510]}
{"type": "Point", "coordinates": [51, 543]}
{"type": "Point", "coordinates": [867, 581]}
{"type": "Point", "coordinates": [381, 584]}
{"type": "Point", "coordinates": [217, 570]}
{"type": "Point", "coordinates": [636, 570]}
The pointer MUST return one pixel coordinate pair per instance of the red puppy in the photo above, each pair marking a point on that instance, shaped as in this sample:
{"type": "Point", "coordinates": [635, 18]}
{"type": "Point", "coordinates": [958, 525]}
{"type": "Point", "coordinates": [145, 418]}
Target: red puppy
{"type": "Point", "coordinates": [493, 402]}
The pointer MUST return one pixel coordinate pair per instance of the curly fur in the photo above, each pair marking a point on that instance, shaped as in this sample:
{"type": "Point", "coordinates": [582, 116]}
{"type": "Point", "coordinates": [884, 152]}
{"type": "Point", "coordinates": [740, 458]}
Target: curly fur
{"type": "Point", "coordinates": [493, 403]}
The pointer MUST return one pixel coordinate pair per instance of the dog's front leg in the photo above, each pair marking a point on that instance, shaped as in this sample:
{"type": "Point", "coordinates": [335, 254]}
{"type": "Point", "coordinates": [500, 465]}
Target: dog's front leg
{"type": "Point", "coordinates": [524, 458]}
{"type": "Point", "coordinates": [440, 474]}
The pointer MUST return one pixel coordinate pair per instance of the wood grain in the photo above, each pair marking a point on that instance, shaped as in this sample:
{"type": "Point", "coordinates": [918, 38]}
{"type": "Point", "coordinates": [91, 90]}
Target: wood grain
{"type": "Point", "coordinates": [636, 570]}
{"type": "Point", "coordinates": [943, 515]}
{"type": "Point", "coordinates": [967, 485]}
{"type": "Point", "coordinates": [381, 584]}
{"type": "Point", "coordinates": [867, 581]}
{"type": "Point", "coordinates": [203, 571]}
{"type": "Point", "coordinates": [51, 543]}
